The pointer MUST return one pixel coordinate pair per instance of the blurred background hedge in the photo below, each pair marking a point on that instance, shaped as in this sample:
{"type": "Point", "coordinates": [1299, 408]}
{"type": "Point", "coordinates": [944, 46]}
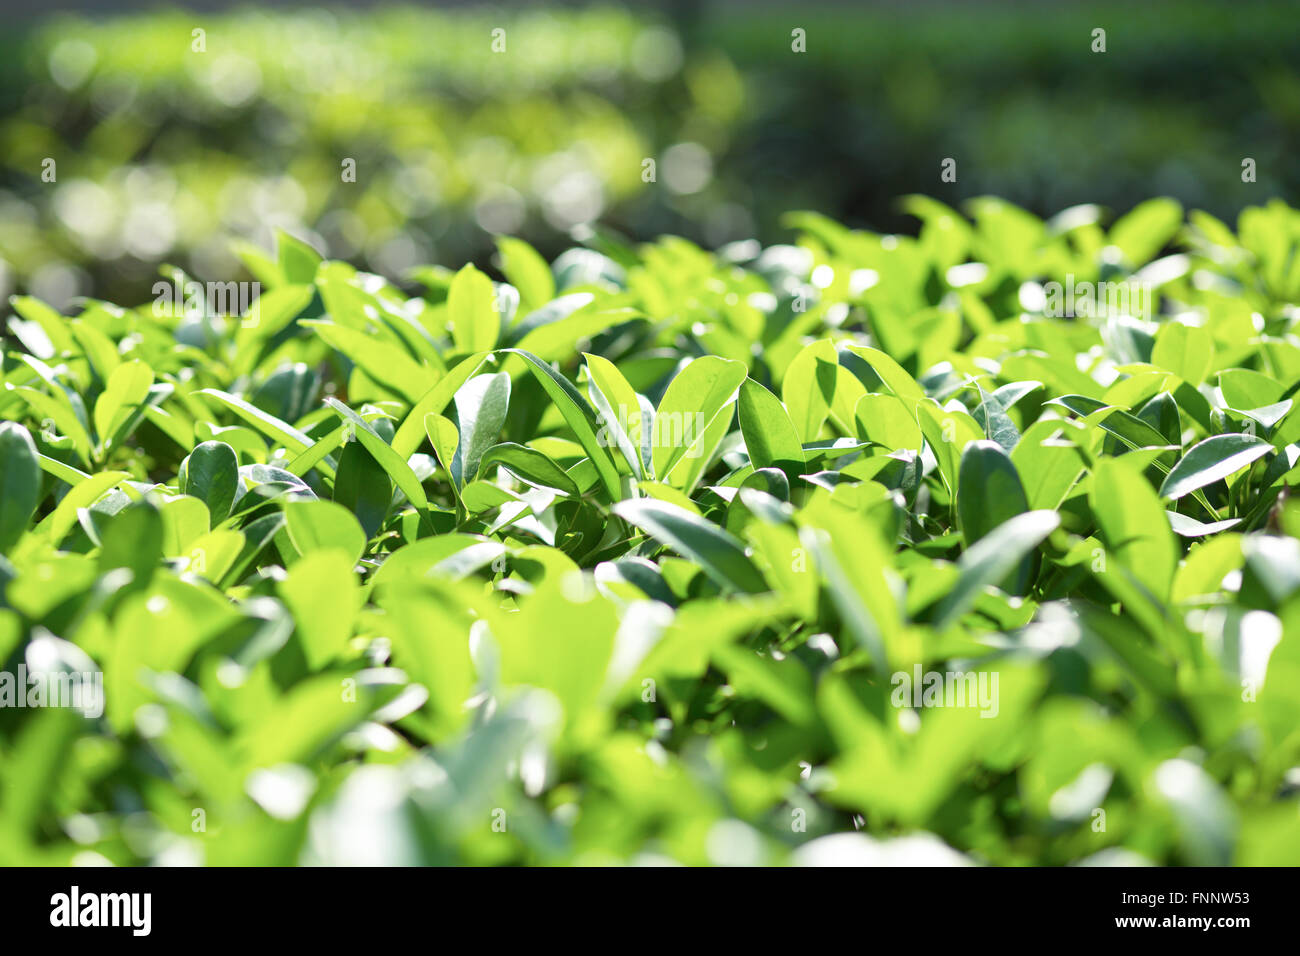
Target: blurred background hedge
{"type": "Point", "coordinates": [163, 154]}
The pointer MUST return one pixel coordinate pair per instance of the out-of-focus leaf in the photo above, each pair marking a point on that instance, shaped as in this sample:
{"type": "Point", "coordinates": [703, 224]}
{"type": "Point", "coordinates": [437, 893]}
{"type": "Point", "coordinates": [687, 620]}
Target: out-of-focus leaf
{"type": "Point", "coordinates": [20, 482]}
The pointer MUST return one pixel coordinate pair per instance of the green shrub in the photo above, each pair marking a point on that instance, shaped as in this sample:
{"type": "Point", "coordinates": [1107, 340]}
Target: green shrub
{"type": "Point", "coordinates": [657, 553]}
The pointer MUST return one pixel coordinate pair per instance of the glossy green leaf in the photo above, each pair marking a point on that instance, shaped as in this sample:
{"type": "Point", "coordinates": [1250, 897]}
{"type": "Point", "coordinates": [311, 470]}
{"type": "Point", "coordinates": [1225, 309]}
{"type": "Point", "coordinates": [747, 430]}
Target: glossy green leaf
{"type": "Point", "coordinates": [989, 495]}
{"type": "Point", "coordinates": [20, 482]}
{"type": "Point", "coordinates": [720, 555]}
{"type": "Point", "coordinates": [530, 465]}
{"type": "Point", "coordinates": [808, 388]}
{"type": "Point", "coordinates": [770, 436]}
{"type": "Point", "coordinates": [694, 396]}
{"type": "Point", "coordinates": [1216, 457]}
{"type": "Point", "coordinates": [579, 416]}
{"type": "Point", "coordinates": [211, 474]}
{"type": "Point", "coordinates": [481, 407]}
{"type": "Point", "coordinates": [384, 454]}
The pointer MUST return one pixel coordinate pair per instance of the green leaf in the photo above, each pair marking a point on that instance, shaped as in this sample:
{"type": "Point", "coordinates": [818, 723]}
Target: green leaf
{"type": "Point", "coordinates": [674, 496]}
{"type": "Point", "coordinates": [551, 313]}
{"type": "Point", "coordinates": [271, 312]}
{"type": "Point", "coordinates": [1186, 527]}
{"type": "Point", "coordinates": [784, 685]}
{"type": "Point", "coordinates": [530, 465]}
{"type": "Point", "coordinates": [694, 396]}
{"type": "Point", "coordinates": [1206, 819]}
{"type": "Point", "coordinates": [35, 762]}
{"type": "Point", "coordinates": [363, 487]}
{"type": "Point", "coordinates": [891, 373]}
{"type": "Point", "coordinates": [99, 349]}
{"type": "Point", "coordinates": [1145, 229]}
{"type": "Point", "coordinates": [298, 261]}
{"type": "Point", "coordinates": [885, 420]}
{"type": "Point", "coordinates": [59, 410]}
{"type": "Point", "coordinates": [300, 724]}
{"type": "Point", "coordinates": [61, 471]}
{"type": "Point", "coordinates": [383, 453]}
{"type": "Point", "coordinates": [475, 322]}
{"type": "Point", "coordinates": [1133, 524]}
{"type": "Point", "coordinates": [808, 388]}
{"type": "Point", "coordinates": [1246, 389]}
{"type": "Point", "coordinates": [526, 271]}
{"type": "Point", "coordinates": [185, 519]}
{"type": "Point", "coordinates": [557, 341]}
{"type": "Point", "coordinates": [481, 406]}
{"type": "Point", "coordinates": [690, 465]}
{"type": "Point", "coordinates": [480, 496]}
{"type": "Point", "coordinates": [578, 415]}
{"type": "Point", "coordinates": [127, 389]}
{"type": "Point", "coordinates": [989, 495]}
{"type": "Point", "coordinates": [991, 413]}
{"type": "Point", "coordinates": [620, 410]}
{"type": "Point", "coordinates": [318, 455]}
{"type": "Point", "coordinates": [1185, 350]}
{"type": "Point", "coordinates": [770, 436]}
{"type": "Point", "coordinates": [133, 539]}
{"type": "Point", "coordinates": [947, 432]}
{"type": "Point", "coordinates": [855, 579]}
{"type": "Point", "coordinates": [1048, 467]}
{"type": "Point", "coordinates": [321, 591]}
{"type": "Point", "coordinates": [60, 521]}
{"type": "Point", "coordinates": [430, 634]}
{"type": "Point", "coordinates": [382, 361]}
{"type": "Point", "coordinates": [316, 526]}
{"type": "Point", "coordinates": [211, 473]}
{"type": "Point", "coordinates": [212, 555]}
{"type": "Point", "coordinates": [1216, 457]}
{"type": "Point", "coordinates": [445, 438]}
{"type": "Point", "coordinates": [267, 424]}
{"type": "Point", "coordinates": [453, 555]}
{"type": "Point", "coordinates": [1161, 413]}
{"type": "Point", "coordinates": [258, 262]}
{"type": "Point", "coordinates": [1128, 428]}
{"type": "Point", "coordinates": [54, 325]}
{"type": "Point", "coordinates": [992, 558]}
{"type": "Point", "coordinates": [411, 433]}
{"type": "Point", "coordinates": [719, 554]}
{"type": "Point", "coordinates": [257, 535]}
{"type": "Point", "coordinates": [20, 483]}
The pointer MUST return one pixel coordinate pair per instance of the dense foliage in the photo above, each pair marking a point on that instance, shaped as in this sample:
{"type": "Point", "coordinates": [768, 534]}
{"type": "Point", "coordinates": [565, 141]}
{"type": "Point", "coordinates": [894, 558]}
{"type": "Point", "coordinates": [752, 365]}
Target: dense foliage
{"type": "Point", "coordinates": [622, 558]}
